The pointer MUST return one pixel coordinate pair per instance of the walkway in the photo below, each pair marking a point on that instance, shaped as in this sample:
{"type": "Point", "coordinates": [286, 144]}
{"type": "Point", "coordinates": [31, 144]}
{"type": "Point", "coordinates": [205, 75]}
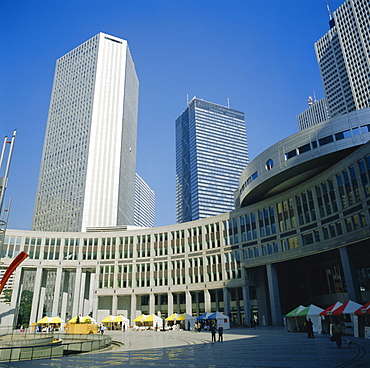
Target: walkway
{"type": "Point", "coordinates": [265, 347]}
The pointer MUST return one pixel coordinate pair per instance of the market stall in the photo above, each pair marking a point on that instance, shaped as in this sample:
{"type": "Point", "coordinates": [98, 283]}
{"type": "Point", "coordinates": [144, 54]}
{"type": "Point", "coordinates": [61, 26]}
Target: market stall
{"type": "Point", "coordinates": [313, 312]}
{"type": "Point", "coordinates": [186, 321]}
{"type": "Point", "coordinates": [220, 319]}
{"type": "Point", "coordinates": [294, 322]}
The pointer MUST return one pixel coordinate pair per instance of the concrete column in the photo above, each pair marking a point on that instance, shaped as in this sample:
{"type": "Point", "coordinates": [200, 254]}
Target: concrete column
{"type": "Point", "coordinates": [170, 303]}
{"type": "Point", "coordinates": [197, 308]}
{"type": "Point", "coordinates": [237, 301]}
{"type": "Point", "coordinates": [94, 301]}
{"type": "Point", "coordinates": [16, 294]}
{"type": "Point", "coordinates": [273, 287]}
{"type": "Point", "coordinates": [188, 298]}
{"type": "Point", "coordinates": [40, 312]}
{"type": "Point", "coordinates": [178, 305]}
{"type": "Point", "coordinates": [353, 287]}
{"type": "Point", "coordinates": [159, 305]}
{"type": "Point", "coordinates": [133, 308]}
{"type": "Point", "coordinates": [76, 294]}
{"type": "Point", "coordinates": [246, 298]}
{"type": "Point", "coordinates": [207, 301]}
{"type": "Point", "coordinates": [36, 295]}
{"type": "Point", "coordinates": [217, 301]}
{"type": "Point", "coordinates": [58, 286]}
{"type": "Point", "coordinates": [86, 308]}
{"type": "Point", "coordinates": [151, 303]}
{"type": "Point", "coordinates": [81, 302]}
{"type": "Point", "coordinates": [16, 297]}
{"type": "Point", "coordinates": [63, 308]}
{"type": "Point", "coordinates": [114, 304]}
{"type": "Point", "coordinates": [92, 296]}
{"type": "Point", "coordinates": [226, 294]}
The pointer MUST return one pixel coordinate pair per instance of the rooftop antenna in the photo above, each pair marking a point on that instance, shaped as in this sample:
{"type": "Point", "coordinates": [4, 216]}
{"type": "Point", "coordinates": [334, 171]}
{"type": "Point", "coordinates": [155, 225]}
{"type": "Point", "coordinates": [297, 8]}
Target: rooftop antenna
{"type": "Point", "coordinates": [314, 97]}
{"type": "Point", "coordinates": [329, 12]}
{"type": "Point", "coordinates": [228, 102]}
{"type": "Point", "coordinates": [187, 99]}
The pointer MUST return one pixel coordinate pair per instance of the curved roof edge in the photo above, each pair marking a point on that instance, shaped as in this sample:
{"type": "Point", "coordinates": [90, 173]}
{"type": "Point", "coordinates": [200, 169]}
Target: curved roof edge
{"type": "Point", "coordinates": [302, 156]}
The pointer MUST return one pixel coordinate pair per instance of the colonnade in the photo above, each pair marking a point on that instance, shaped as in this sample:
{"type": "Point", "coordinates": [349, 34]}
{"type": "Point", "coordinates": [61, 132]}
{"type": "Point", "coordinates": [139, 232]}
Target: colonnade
{"type": "Point", "coordinates": [75, 292]}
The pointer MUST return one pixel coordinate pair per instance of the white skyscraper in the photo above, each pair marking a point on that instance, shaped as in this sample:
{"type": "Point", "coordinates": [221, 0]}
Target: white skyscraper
{"type": "Point", "coordinates": [343, 57]}
{"type": "Point", "coordinates": [316, 113]}
{"type": "Point", "coordinates": [144, 204]}
{"type": "Point", "coordinates": [87, 174]}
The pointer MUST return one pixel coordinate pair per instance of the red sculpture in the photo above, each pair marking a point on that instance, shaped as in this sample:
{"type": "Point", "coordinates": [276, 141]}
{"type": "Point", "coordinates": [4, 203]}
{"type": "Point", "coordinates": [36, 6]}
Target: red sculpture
{"type": "Point", "coordinates": [16, 262]}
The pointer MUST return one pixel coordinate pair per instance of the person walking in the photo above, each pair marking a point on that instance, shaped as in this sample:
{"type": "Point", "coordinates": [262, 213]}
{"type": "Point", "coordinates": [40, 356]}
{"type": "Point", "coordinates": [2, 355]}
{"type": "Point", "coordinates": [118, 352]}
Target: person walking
{"type": "Point", "coordinates": [336, 330]}
{"type": "Point", "coordinates": [213, 333]}
{"type": "Point", "coordinates": [309, 327]}
{"type": "Point", "coordinates": [220, 333]}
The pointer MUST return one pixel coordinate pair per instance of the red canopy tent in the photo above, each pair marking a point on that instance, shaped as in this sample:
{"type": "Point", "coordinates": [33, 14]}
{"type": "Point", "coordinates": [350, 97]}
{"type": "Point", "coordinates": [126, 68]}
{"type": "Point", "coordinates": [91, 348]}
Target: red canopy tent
{"type": "Point", "coordinates": [329, 311]}
{"type": "Point", "coordinates": [365, 309]}
{"type": "Point", "coordinates": [346, 308]}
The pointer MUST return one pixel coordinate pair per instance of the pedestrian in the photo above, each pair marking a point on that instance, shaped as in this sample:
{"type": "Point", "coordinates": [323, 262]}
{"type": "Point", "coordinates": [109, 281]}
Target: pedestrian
{"type": "Point", "coordinates": [309, 327]}
{"type": "Point", "coordinates": [336, 330]}
{"type": "Point", "coordinates": [252, 322]}
{"type": "Point", "coordinates": [188, 325]}
{"type": "Point", "coordinates": [123, 328]}
{"type": "Point", "coordinates": [196, 327]}
{"type": "Point", "coordinates": [156, 326]}
{"type": "Point", "coordinates": [213, 332]}
{"type": "Point", "coordinates": [220, 333]}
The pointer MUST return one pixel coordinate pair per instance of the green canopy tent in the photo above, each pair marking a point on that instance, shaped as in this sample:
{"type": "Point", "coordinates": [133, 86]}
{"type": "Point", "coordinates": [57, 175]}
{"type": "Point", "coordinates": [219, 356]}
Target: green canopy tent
{"type": "Point", "coordinates": [295, 322]}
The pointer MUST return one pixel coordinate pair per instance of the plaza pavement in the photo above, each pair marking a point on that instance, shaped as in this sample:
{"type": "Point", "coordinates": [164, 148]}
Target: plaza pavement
{"type": "Point", "coordinates": [265, 347]}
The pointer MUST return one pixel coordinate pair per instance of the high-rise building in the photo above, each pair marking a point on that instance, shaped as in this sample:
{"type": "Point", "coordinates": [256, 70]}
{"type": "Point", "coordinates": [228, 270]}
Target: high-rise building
{"type": "Point", "coordinates": [343, 57]}
{"type": "Point", "coordinates": [211, 153]}
{"type": "Point", "coordinates": [144, 212]}
{"type": "Point", "coordinates": [88, 167]}
{"type": "Point", "coordinates": [316, 113]}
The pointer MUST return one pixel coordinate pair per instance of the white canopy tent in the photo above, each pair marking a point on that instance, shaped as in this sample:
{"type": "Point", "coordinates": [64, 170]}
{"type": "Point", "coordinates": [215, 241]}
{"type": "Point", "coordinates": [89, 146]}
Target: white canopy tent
{"type": "Point", "coordinates": [186, 320]}
{"type": "Point", "coordinates": [313, 312]}
{"type": "Point", "coordinates": [153, 321]}
{"type": "Point", "coordinates": [221, 319]}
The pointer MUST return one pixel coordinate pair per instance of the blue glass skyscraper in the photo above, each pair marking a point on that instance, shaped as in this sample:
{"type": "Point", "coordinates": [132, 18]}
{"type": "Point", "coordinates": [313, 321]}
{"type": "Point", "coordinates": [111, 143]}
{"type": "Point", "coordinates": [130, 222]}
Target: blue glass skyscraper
{"type": "Point", "coordinates": [211, 153]}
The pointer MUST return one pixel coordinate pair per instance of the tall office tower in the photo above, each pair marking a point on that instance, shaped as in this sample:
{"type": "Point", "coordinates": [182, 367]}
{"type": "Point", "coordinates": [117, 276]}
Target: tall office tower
{"type": "Point", "coordinates": [343, 57]}
{"type": "Point", "coordinates": [88, 167]}
{"type": "Point", "coordinates": [316, 113]}
{"type": "Point", "coordinates": [211, 153]}
{"type": "Point", "coordinates": [144, 212]}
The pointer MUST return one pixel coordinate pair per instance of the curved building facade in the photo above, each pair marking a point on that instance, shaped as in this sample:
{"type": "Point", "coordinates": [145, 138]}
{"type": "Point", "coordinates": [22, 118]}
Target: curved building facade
{"type": "Point", "coordinates": [300, 236]}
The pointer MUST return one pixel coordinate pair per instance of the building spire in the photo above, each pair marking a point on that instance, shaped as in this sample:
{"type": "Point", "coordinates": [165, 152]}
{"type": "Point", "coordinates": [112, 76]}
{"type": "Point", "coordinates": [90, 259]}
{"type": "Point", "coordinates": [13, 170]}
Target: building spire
{"type": "Point", "coordinates": [329, 12]}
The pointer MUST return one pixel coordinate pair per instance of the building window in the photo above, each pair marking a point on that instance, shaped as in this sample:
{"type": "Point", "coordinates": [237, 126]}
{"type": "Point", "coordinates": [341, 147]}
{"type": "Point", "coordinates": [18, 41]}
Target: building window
{"type": "Point", "coordinates": [269, 164]}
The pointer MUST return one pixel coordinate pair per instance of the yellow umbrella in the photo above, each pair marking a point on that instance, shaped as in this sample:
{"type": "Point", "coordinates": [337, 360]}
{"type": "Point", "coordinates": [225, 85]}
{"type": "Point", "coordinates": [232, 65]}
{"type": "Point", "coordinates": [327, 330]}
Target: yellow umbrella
{"type": "Point", "coordinates": [109, 319]}
{"type": "Point", "coordinates": [120, 319]}
{"type": "Point", "coordinates": [56, 320]}
{"type": "Point", "coordinates": [149, 318]}
{"type": "Point", "coordinates": [45, 320]}
{"type": "Point", "coordinates": [140, 318]}
{"type": "Point", "coordinates": [172, 317]}
{"type": "Point", "coordinates": [85, 319]}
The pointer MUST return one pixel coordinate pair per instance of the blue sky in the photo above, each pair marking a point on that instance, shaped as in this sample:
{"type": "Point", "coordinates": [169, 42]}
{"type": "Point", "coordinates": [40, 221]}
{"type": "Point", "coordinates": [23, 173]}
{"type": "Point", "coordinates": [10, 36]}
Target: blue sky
{"type": "Point", "coordinates": [257, 53]}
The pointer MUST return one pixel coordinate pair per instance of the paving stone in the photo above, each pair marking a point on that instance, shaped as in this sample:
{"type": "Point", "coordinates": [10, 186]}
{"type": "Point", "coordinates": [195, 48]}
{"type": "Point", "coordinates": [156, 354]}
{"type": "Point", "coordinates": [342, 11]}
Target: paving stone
{"type": "Point", "coordinates": [265, 347]}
